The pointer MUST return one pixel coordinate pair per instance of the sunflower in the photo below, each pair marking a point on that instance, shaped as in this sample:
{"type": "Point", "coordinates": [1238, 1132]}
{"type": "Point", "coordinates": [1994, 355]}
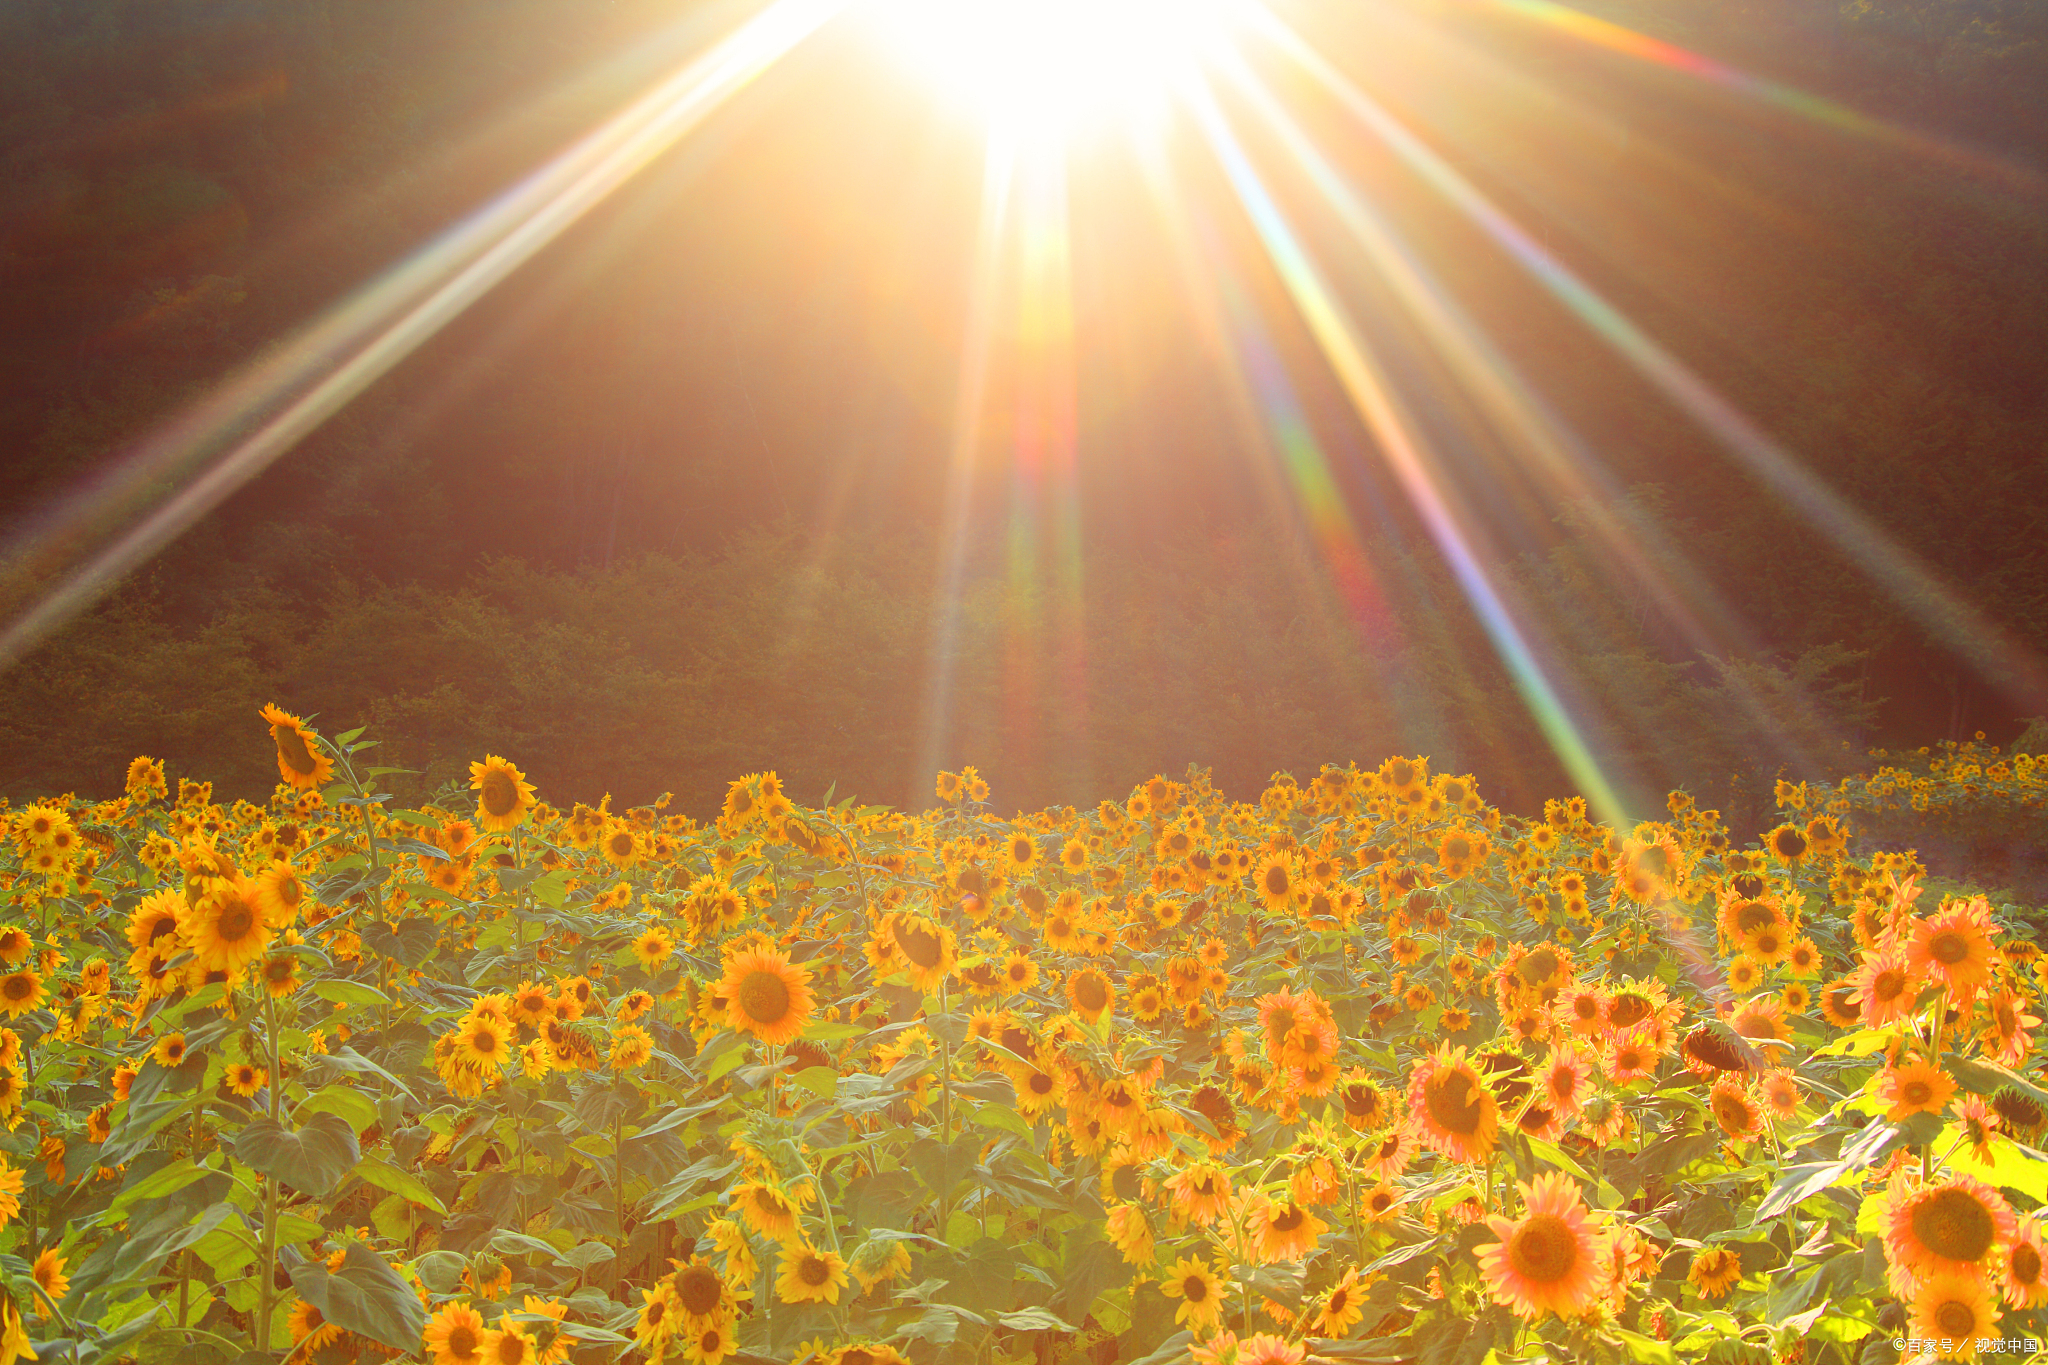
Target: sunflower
{"type": "Point", "coordinates": [1200, 1193]}
{"type": "Point", "coordinates": [1342, 1307]}
{"type": "Point", "coordinates": [699, 1294]}
{"type": "Point", "coordinates": [1552, 1259]}
{"type": "Point", "coordinates": [1950, 1227]}
{"type": "Point", "coordinates": [1715, 1271]}
{"type": "Point", "coordinates": [1956, 1310]}
{"type": "Point", "coordinates": [1451, 1108]}
{"type": "Point", "coordinates": [1780, 1090]}
{"type": "Point", "coordinates": [2007, 1039]}
{"type": "Point", "coordinates": [1200, 1291]}
{"type": "Point", "coordinates": [226, 927]}
{"type": "Point", "coordinates": [310, 1330]}
{"type": "Point", "coordinates": [278, 893]}
{"type": "Point", "coordinates": [658, 1318]}
{"type": "Point", "coordinates": [154, 919]}
{"type": "Point", "coordinates": [511, 1344]}
{"type": "Point", "coordinates": [15, 946]}
{"type": "Point", "coordinates": [48, 1272]}
{"type": "Point", "coordinates": [1887, 987]}
{"type": "Point", "coordinates": [631, 1047]}
{"type": "Point", "coordinates": [20, 992]}
{"type": "Point", "coordinates": [927, 950]}
{"type": "Point", "coordinates": [484, 1042]}
{"type": "Point", "coordinates": [1287, 1231]}
{"type": "Point", "coordinates": [1953, 948]}
{"type": "Point", "coordinates": [1090, 993]}
{"type": "Point", "coordinates": [1735, 1109]}
{"type": "Point", "coordinates": [1363, 1102]}
{"type": "Point", "coordinates": [1274, 882]}
{"type": "Point", "coordinates": [1130, 1232]}
{"type": "Point", "coordinates": [169, 1051]}
{"type": "Point", "coordinates": [769, 998]}
{"type": "Point", "coordinates": [2023, 1283]}
{"type": "Point", "coordinates": [280, 975]}
{"type": "Point", "coordinates": [299, 758]}
{"type": "Point", "coordinates": [769, 1210]}
{"type": "Point", "coordinates": [810, 1276]}
{"type": "Point", "coordinates": [1918, 1087]}
{"type": "Point", "coordinates": [652, 948]}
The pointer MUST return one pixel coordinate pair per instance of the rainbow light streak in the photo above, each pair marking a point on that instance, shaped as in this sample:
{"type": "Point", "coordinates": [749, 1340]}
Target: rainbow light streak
{"type": "Point", "coordinates": [258, 414]}
{"type": "Point", "coordinates": [1945, 615]}
{"type": "Point", "coordinates": [998, 172]}
{"type": "Point", "coordinates": [1605, 33]}
{"type": "Point", "coordinates": [1043, 438]}
{"type": "Point", "coordinates": [1690, 603]}
{"type": "Point", "coordinates": [1308, 468]}
{"type": "Point", "coordinates": [1354, 368]}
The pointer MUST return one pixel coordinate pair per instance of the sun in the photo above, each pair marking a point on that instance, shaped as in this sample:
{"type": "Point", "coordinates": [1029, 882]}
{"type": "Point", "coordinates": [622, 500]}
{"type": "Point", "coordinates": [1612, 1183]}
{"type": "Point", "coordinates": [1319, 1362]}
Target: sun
{"type": "Point", "coordinates": [1052, 70]}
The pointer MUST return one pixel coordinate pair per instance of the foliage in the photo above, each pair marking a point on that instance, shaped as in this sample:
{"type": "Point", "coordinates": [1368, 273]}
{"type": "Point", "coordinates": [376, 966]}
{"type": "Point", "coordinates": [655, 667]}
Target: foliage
{"type": "Point", "coordinates": [1363, 1071]}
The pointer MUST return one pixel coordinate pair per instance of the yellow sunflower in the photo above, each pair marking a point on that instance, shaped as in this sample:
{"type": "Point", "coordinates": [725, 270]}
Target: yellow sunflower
{"type": "Point", "coordinates": [766, 996]}
{"type": "Point", "coordinates": [299, 758]}
{"type": "Point", "coordinates": [504, 796]}
{"type": "Point", "coordinates": [1200, 1291]}
{"type": "Point", "coordinates": [810, 1276]}
{"type": "Point", "coordinates": [226, 927]}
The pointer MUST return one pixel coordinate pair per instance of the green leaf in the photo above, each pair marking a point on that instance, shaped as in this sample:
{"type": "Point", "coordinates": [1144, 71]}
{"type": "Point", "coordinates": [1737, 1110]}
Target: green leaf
{"type": "Point", "coordinates": [1033, 1320]}
{"type": "Point", "coordinates": [348, 1059]}
{"type": "Point", "coordinates": [1002, 1118]}
{"type": "Point", "coordinates": [366, 1297]}
{"type": "Point", "coordinates": [158, 1183]}
{"type": "Point", "coordinates": [395, 1181]}
{"type": "Point", "coordinates": [831, 1031]}
{"type": "Point", "coordinates": [350, 993]}
{"type": "Point", "coordinates": [313, 1159]}
{"type": "Point", "coordinates": [1649, 1350]}
{"type": "Point", "coordinates": [344, 1102]}
{"type": "Point", "coordinates": [2012, 1166]}
{"type": "Point", "coordinates": [819, 1080]}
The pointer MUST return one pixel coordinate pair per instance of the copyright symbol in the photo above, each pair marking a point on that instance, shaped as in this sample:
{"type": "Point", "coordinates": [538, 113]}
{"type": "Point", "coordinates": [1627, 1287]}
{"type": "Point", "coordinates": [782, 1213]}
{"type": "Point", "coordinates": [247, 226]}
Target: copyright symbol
{"type": "Point", "coordinates": [1898, 1343]}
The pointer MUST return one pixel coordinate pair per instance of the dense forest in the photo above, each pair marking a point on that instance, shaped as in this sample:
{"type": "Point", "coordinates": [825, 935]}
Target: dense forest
{"type": "Point", "coordinates": [670, 504]}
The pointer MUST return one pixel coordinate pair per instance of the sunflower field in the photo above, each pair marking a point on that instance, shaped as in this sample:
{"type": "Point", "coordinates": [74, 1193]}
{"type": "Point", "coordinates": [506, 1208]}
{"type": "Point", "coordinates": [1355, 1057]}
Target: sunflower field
{"type": "Point", "coordinates": [1366, 1071]}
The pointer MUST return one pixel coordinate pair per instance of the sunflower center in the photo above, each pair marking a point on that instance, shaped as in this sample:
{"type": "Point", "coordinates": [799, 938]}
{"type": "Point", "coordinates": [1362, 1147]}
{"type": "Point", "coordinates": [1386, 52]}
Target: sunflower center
{"type": "Point", "coordinates": [1289, 1220]}
{"type": "Point", "coordinates": [1543, 1249]}
{"type": "Point", "coordinates": [2026, 1264]}
{"type": "Point", "coordinates": [1586, 1007]}
{"type": "Point", "coordinates": [815, 1271]}
{"type": "Point", "coordinates": [483, 1040]}
{"type": "Point", "coordinates": [1539, 966]}
{"type": "Point", "coordinates": [1916, 1092]}
{"type": "Point", "coordinates": [291, 746]}
{"type": "Point", "coordinates": [462, 1342]}
{"type": "Point", "coordinates": [511, 1350]}
{"type": "Point", "coordinates": [1124, 1182]}
{"type": "Point", "coordinates": [1954, 1224]}
{"type": "Point", "coordinates": [699, 1290]}
{"type": "Point", "coordinates": [921, 946]}
{"type": "Point", "coordinates": [1276, 881]}
{"type": "Point", "coordinates": [18, 986]}
{"type": "Point", "coordinates": [1195, 1289]}
{"type": "Point", "coordinates": [1957, 1319]}
{"type": "Point", "coordinates": [235, 922]}
{"type": "Point", "coordinates": [1889, 984]}
{"type": "Point", "coordinates": [764, 997]}
{"type": "Point", "coordinates": [1090, 991]}
{"type": "Point", "coordinates": [500, 797]}
{"type": "Point", "coordinates": [1949, 947]}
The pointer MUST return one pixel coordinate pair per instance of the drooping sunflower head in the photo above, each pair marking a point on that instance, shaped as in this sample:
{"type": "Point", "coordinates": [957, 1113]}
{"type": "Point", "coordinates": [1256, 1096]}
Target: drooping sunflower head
{"type": "Point", "coordinates": [300, 760]}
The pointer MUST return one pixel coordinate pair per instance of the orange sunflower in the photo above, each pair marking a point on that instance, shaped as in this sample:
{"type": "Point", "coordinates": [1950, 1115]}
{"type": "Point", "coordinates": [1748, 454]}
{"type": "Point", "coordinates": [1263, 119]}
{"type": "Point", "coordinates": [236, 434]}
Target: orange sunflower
{"type": "Point", "coordinates": [1953, 947]}
{"type": "Point", "coordinates": [1953, 1226]}
{"type": "Point", "coordinates": [1552, 1259]}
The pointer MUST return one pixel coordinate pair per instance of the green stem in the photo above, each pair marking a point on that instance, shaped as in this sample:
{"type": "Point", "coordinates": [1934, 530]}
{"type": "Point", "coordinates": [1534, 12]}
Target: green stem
{"type": "Point", "coordinates": [1940, 1022]}
{"type": "Point", "coordinates": [266, 1287]}
{"type": "Point", "coordinates": [619, 1174]}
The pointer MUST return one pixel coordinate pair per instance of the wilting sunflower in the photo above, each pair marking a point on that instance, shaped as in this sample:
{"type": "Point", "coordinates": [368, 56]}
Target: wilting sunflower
{"type": "Point", "coordinates": [503, 795]}
{"type": "Point", "coordinates": [1200, 1193]}
{"type": "Point", "coordinates": [1451, 1108]}
{"type": "Point", "coordinates": [278, 893]}
{"type": "Point", "coordinates": [926, 950]}
{"type": "Point", "coordinates": [1950, 1227]}
{"type": "Point", "coordinates": [769, 1210]}
{"type": "Point", "coordinates": [155, 919]}
{"type": "Point", "coordinates": [1552, 1259]}
{"type": "Point", "coordinates": [767, 996]}
{"type": "Point", "coordinates": [299, 758]}
{"type": "Point", "coordinates": [1363, 1102]}
{"type": "Point", "coordinates": [810, 1276]}
{"type": "Point", "coordinates": [1715, 1271]}
{"type": "Point", "coordinates": [1200, 1291]}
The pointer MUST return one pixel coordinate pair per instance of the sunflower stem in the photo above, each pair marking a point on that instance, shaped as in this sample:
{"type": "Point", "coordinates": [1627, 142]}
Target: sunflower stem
{"type": "Point", "coordinates": [618, 1173]}
{"type": "Point", "coordinates": [266, 1287]}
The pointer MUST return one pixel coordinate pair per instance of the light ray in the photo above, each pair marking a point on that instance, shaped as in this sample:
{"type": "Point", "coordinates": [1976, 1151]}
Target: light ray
{"type": "Point", "coordinates": [1944, 614]}
{"type": "Point", "coordinates": [258, 414]}
{"type": "Point", "coordinates": [1358, 372]}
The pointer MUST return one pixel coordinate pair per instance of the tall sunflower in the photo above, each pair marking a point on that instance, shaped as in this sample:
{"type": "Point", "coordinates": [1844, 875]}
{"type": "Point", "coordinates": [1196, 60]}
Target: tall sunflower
{"type": "Point", "coordinates": [810, 1276]}
{"type": "Point", "coordinates": [504, 796]}
{"type": "Point", "coordinates": [299, 758]}
{"type": "Point", "coordinates": [1200, 1292]}
{"type": "Point", "coordinates": [1552, 1259]}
